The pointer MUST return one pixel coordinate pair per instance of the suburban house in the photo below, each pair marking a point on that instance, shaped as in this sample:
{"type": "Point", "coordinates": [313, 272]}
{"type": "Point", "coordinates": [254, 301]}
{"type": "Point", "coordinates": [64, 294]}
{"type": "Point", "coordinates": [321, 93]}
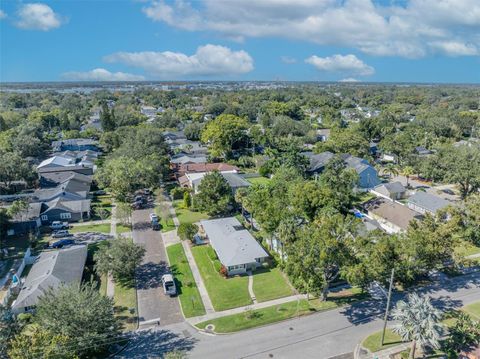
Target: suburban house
{"type": "Point", "coordinates": [392, 217]}
{"type": "Point", "coordinates": [422, 151]}
{"type": "Point", "coordinates": [60, 209]}
{"type": "Point", "coordinates": [182, 144]}
{"type": "Point", "coordinates": [51, 269]}
{"type": "Point", "coordinates": [53, 179]}
{"type": "Point", "coordinates": [423, 202]}
{"type": "Point", "coordinates": [193, 180]}
{"type": "Point", "coordinates": [182, 169]}
{"type": "Point", "coordinates": [390, 190]}
{"type": "Point", "coordinates": [368, 176]}
{"type": "Point", "coordinates": [236, 248]}
{"type": "Point", "coordinates": [27, 221]}
{"type": "Point", "coordinates": [184, 158]}
{"type": "Point", "coordinates": [75, 144]}
{"type": "Point", "coordinates": [170, 136]}
{"type": "Point", "coordinates": [60, 163]}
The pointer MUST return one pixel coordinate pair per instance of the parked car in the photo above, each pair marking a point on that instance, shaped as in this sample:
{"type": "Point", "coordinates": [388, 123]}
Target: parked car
{"type": "Point", "coordinates": [60, 234]}
{"type": "Point", "coordinates": [100, 192]}
{"type": "Point", "coordinates": [58, 225]}
{"type": "Point", "coordinates": [140, 199]}
{"type": "Point", "coordinates": [156, 225]}
{"type": "Point", "coordinates": [153, 217]}
{"type": "Point", "coordinates": [169, 287]}
{"type": "Point", "coordinates": [448, 191]}
{"type": "Point", "coordinates": [147, 192]}
{"type": "Point", "coordinates": [137, 205]}
{"type": "Point", "coordinates": [62, 243]}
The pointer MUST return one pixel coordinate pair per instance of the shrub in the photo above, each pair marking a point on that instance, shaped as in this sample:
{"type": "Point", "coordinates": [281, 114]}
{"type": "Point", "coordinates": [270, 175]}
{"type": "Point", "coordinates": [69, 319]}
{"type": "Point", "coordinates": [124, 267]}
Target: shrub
{"type": "Point", "coordinates": [223, 271]}
{"type": "Point", "coordinates": [187, 231]}
{"type": "Point", "coordinates": [217, 265]}
{"type": "Point", "coordinates": [187, 199]}
{"type": "Point", "coordinates": [211, 253]}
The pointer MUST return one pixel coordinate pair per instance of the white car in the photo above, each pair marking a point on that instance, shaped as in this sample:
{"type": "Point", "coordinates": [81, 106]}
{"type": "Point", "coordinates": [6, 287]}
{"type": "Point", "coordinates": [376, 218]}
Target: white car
{"type": "Point", "coordinates": [153, 217]}
{"type": "Point", "coordinates": [56, 225]}
{"type": "Point", "coordinates": [169, 287]}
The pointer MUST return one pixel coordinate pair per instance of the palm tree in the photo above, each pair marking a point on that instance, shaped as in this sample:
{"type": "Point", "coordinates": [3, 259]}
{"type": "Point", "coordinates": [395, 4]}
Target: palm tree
{"type": "Point", "coordinates": [391, 169]}
{"type": "Point", "coordinates": [407, 172]}
{"type": "Point", "coordinates": [418, 322]}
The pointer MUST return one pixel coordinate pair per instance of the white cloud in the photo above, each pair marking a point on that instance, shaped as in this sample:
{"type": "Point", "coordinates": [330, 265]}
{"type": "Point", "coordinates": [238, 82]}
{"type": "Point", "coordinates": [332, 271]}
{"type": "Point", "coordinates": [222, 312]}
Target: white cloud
{"type": "Point", "coordinates": [208, 60]}
{"type": "Point", "coordinates": [37, 16]}
{"type": "Point", "coordinates": [101, 75]}
{"type": "Point", "coordinates": [346, 64]}
{"type": "Point", "coordinates": [3, 14]}
{"type": "Point", "coordinates": [405, 28]}
{"type": "Point", "coordinates": [455, 48]}
{"type": "Point", "coordinates": [288, 59]}
{"type": "Point", "coordinates": [348, 79]}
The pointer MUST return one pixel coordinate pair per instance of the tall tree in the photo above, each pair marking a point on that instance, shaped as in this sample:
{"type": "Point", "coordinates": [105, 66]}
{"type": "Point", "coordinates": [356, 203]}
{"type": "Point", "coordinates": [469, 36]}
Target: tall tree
{"type": "Point", "coordinates": [224, 134]}
{"type": "Point", "coordinates": [80, 313]}
{"type": "Point", "coordinates": [418, 322]}
{"type": "Point", "coordinates": [215, 195]}
{"type": "Point", "coordinates": [107, 118]}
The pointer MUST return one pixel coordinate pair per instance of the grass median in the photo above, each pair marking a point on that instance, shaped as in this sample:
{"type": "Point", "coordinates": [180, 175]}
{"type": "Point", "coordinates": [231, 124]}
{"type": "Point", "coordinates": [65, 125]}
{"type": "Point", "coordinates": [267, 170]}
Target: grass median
{"type": "Point", "coordinates": [190, 299]}
{"type": "Point", "coordinates": [254, 318]}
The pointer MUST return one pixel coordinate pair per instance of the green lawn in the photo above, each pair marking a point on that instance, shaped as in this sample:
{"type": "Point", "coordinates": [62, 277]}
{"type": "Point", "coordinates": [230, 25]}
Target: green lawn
{"type": "Point", "coordinates": [187, 216]}
{"type": "Point", "coordinates": [465, 249]}
{"type": "Point", "coordinates": [105, 202]}
{"type": "Point", "coordinates": [167, 226]}
{"type": "Point", "coordinates": [224, 293]}
{"type": "Point", "coordinates": [126, 306]}
{"type": "Point", "coordinates": [102, 228]}
{"type": "Point", "coordinates": [270, 284]}
{"type": "Point", "coordinates": [473, 309]}
{"type": "Point", "coordinates": [276, 313]}
{"type": "Point", "coordinates": [373, 341]}
{"type": "Point", "coordinates": [188, 293]}
{"type": "Point", "coordinates": [121, 228]}
{"type": "Point", "coordinates": [258, 180]}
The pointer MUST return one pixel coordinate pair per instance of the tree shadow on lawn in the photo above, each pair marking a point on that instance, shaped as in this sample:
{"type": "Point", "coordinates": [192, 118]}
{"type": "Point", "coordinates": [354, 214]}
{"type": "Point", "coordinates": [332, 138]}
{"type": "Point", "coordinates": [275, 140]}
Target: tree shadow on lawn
{"type": "Point", "coordinates": [149, 275]}
{"type": "Point", "coordinates": [152, 344]}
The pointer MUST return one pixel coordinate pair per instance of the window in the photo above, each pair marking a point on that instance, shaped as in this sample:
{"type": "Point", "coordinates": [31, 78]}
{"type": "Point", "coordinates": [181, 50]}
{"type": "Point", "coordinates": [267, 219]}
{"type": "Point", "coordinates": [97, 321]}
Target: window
{"type": "Point", "coordinates": [44, 217]}
{"type": "Point", "coordinates": [65, 215]}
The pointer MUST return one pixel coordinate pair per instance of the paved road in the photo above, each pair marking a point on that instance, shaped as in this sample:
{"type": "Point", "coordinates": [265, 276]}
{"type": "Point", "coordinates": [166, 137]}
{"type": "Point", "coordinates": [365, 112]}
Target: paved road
{"type": "Point", "coordinates": [322, 335]}
{"type": "Point", "coordinates": [153, 304]}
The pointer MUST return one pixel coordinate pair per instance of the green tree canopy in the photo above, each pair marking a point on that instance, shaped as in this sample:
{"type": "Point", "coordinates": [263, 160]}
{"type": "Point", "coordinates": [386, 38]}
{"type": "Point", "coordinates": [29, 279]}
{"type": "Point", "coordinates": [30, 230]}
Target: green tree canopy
{"type": "Point", "coordinates": [215, 195]}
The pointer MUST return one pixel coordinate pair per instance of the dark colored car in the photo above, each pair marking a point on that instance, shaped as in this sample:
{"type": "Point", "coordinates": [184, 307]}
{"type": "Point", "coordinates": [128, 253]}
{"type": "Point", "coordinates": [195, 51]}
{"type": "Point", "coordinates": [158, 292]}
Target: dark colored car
{"type": "Point", "coordinates": [448, 191]}
{"type": "Point", "coordinates": [62, 243]}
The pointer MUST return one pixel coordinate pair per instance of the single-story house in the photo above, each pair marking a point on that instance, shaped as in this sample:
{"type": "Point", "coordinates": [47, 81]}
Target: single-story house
{"type": "Point", "coordinates": [390, 190]}
{"type": "Point", "coordinates": [193, 180]}
{"type": "Point", "coordinates": [236, 248]}
{"type": "Point", "coordinates": [182, 169]}
{"type": "Point", "coordinates": [27, 221]}
{"type": "Point", "coordinates": [59, 164]}
{"type": "Point", "coordinates": [422, 151]}
{"type": "Point", "coordinates": [70, 190]}
{"type": "Point", "coordinates": [50, 270]}
{"type": "Point", "coordinates": [183, 144]}
{"type": "Point", "coordinates": [53, 179]}
{"type": "Point", "coordinates": [423, 202]}
{"type": "Point", "coordinates": [173, 135]}
{"type": "Point", "coordinates": [65, 210]}
{"type": "Point", "coordinates": [368, 176]}
{"type": "Point", "coordinates": [392, 217]}
{"type": "Point", "coordinates": [75, 144]}
{"type": "Point", "coordinates": [184, 158]}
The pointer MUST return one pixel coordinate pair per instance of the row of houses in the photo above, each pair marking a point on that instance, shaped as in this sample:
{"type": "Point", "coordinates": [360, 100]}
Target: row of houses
{"type": "Point", "coordinates": [65, 180]}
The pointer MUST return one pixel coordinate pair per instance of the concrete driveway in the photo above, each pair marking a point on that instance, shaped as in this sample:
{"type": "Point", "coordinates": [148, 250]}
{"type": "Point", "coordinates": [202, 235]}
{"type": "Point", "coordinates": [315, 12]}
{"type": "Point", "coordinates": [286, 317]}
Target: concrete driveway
{"type": "Point", "coordinates": [153, 305]}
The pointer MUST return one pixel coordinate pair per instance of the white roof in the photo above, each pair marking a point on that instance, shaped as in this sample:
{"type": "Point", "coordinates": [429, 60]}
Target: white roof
{"type": "Point", "coordinates": [57, 161]}
{"type": "Point", "coordinates": [232, 242]}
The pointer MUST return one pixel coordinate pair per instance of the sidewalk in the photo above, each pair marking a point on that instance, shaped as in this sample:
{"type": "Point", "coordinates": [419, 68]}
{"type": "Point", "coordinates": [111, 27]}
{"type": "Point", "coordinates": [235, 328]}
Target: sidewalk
{"type": "Point", "coordinates": [113, 232]}
{"type": "Point", "coordinates": [362, 353]}
{"type": "Point", "coordinates": [209, 316]}
{"type": "Point", "coordinates": [207, 303]}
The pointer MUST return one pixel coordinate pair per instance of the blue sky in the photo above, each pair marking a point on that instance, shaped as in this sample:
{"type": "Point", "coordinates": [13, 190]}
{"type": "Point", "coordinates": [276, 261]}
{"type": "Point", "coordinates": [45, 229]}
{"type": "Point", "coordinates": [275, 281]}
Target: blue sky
{"type": "Point", "coordinates": [324, 40]}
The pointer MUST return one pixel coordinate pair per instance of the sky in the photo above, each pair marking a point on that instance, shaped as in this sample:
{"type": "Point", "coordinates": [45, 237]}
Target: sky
{"type": "Point", "coordinates": [294, 40]}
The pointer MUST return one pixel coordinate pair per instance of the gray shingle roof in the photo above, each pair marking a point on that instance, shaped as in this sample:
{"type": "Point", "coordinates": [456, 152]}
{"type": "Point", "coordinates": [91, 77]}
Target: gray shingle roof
{"type": "Point", "coordinates": [428, 201]}
{"type": "Point", "coordinates": [50, 270]}
{"type": "Point", "coordinates": [233, 243]}
{"type": "Point", "coordinates": [390, 188]}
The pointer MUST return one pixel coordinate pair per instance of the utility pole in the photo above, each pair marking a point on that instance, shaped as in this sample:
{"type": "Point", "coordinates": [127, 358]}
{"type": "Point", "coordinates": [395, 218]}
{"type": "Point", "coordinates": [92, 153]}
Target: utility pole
{"type": "Point", "coordinates": [388, 305]}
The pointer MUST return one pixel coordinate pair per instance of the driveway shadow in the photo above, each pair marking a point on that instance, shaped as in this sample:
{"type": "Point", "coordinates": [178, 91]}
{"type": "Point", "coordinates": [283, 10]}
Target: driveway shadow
{"type": "Point", "coordinates": [149, 275]}
{"type": "Point", "coordinates": [154, 344]}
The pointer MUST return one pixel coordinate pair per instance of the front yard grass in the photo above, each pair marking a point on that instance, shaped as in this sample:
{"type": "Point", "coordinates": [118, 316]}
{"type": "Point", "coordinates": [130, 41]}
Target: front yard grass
{"type": "Point", "coordinates": [185, 215]}
{"type": "Point", "coordinates": [465, 249]}
{"type": "Point", "coordinates": [121, 228]}
{"type": "Point", "coordinates": [473, 309]}
{"type": "Point", "coordinates": [374, 344]}
{"type": "Point", "coordinates": [225, 293]}
{"type": "Point", "coordinates": [190, 299]}
{"type": "Point", "coordinates": [270, 284]}
{"type": "Point", "coordinates": [276, 313]}
{"type": "Point", "coordinates": [104, 202]}
{"type": "Point", "coordinates": [102, 228]}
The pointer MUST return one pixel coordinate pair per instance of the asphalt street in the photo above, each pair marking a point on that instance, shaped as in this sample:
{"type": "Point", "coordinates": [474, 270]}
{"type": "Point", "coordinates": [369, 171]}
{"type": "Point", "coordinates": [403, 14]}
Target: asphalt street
{"type": "Point", "coordinates": [322, 335]}
{"type": "Point", "coordinates": [153, 305]}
